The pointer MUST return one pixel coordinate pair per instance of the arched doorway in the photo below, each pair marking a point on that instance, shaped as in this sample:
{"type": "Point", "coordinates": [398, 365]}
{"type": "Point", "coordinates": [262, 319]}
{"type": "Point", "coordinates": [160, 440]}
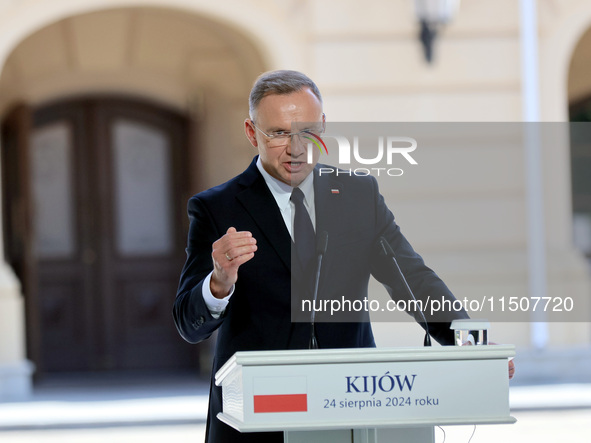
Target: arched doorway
{"type": "Point", "coordinates": [89, 88]}
{"type": "Point", "coordinates": [105, 246]}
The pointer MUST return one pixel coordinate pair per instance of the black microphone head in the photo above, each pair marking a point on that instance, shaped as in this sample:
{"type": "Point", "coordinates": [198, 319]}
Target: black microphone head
{"type": "Point", "coordinates": [322, 243]}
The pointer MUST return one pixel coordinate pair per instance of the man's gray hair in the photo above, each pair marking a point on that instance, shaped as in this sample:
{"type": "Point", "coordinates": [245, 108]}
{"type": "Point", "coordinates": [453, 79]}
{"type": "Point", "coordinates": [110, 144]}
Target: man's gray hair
{"type": "Point", "coordinates": [279, 82]}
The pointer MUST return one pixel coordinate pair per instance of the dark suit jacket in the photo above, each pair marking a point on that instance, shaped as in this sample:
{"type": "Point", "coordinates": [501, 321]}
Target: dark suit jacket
{"type": "Point", "coordinates": [258, 315]}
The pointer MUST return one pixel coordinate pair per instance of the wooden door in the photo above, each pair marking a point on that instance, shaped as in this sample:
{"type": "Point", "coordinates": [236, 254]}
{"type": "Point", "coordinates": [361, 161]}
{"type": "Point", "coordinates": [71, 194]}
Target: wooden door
{"type": "Point", "coordinates": [108, 184]}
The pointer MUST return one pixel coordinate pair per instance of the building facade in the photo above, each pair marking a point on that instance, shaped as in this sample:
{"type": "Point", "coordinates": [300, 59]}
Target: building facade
{"type": "Point", "coordinates": [107, 102]}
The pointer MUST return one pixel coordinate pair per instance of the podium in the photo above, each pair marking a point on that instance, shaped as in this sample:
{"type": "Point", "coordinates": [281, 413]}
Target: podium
{"type": "Point", "coordinates": [365, 395]}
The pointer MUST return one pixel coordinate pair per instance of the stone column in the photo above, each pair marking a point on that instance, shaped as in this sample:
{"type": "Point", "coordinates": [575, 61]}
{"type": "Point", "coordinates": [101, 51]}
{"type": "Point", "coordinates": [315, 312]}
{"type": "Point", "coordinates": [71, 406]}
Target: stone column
{"type": "Point", "coordinates": [15, 369]}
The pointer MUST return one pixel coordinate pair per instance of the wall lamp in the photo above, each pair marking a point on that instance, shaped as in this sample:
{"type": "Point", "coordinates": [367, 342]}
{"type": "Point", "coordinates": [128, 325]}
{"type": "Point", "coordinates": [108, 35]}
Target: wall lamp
{"type": "Point", "coordinates": [432, 15]}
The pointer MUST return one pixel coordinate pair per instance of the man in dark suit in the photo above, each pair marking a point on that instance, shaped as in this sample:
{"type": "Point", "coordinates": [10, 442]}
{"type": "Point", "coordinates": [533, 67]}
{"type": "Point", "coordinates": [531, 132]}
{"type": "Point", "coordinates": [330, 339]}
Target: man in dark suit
{"type": "Point", "coordinates": [238, 275]}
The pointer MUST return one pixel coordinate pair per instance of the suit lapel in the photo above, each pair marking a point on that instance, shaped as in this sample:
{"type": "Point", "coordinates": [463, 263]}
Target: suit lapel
{"type": "Point", "coordinates": [327, 199]}
{"type": "Point", "coordinates": [327, 202]}
{"type": "Point", "coordinates": [258, 201]}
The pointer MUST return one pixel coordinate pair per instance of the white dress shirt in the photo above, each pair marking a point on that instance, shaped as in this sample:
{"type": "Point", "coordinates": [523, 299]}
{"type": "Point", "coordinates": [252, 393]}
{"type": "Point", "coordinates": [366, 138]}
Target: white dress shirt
{"type": "Point", "coordinates": [282, 193]}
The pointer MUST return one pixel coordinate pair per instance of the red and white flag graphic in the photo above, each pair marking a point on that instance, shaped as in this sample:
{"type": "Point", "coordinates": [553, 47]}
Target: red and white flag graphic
{"type": "Point", "coordinates": [280, 394]}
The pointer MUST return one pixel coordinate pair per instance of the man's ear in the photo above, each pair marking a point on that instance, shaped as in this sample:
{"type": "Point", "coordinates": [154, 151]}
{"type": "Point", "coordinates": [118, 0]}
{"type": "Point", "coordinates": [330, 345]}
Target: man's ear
{"type": "Point", "coordinates": [250, 132]}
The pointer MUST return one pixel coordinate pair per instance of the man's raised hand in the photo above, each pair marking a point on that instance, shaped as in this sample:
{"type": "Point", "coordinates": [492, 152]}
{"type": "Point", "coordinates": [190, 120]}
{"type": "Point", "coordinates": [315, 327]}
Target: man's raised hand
{"type": "Point", "coordinates": [228, 253]}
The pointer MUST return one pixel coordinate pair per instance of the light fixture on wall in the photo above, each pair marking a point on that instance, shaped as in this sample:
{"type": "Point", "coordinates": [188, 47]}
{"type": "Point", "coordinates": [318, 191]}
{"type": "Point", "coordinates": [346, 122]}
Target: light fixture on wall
{"type": "Point", "coordinates": [432, 14]}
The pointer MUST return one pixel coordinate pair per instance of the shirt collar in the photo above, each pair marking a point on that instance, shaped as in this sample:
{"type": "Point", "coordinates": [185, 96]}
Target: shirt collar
{"type": "Point", "coordinates": [282, 191]}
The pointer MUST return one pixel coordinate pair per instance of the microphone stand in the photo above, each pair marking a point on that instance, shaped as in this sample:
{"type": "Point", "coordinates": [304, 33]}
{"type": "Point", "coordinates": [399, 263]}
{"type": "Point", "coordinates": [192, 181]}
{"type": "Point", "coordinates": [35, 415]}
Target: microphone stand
{"type": "Point", "coordinates": [320, 251]}
{"type": "Point", "coordinates": [389, 252]}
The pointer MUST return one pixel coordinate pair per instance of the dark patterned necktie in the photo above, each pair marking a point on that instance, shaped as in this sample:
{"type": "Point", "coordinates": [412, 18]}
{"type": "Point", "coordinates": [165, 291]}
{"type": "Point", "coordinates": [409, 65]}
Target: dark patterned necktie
{"type": "Point", "coordinates": [304, 236]}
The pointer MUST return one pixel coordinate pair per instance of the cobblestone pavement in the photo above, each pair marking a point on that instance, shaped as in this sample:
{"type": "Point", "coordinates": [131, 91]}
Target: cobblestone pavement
{"type": "Point", "coordinates": [155, 410]}
{"type": "Point", "coordinates": [125, 434]}
{"type": "Point", "coordinates": [547, 426]}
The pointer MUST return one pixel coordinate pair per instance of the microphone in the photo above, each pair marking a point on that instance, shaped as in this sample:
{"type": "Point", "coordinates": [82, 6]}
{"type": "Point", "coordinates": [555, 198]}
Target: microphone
{"type": "Point", "coordinates": [320, 251]}
{"type": "Point", "coordinates": [388, 252]}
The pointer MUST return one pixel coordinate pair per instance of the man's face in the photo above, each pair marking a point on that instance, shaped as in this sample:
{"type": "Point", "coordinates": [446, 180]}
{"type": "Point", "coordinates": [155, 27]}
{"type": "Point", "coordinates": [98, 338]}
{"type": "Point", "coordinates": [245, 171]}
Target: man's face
{"type": "Point", "coordinates": [276, 113]}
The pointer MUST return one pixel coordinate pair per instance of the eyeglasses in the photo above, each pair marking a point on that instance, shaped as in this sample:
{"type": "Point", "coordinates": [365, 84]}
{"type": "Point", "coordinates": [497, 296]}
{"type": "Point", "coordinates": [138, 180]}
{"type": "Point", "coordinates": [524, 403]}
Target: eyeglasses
{"type": "Point", "coordinates": [280, 139]}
